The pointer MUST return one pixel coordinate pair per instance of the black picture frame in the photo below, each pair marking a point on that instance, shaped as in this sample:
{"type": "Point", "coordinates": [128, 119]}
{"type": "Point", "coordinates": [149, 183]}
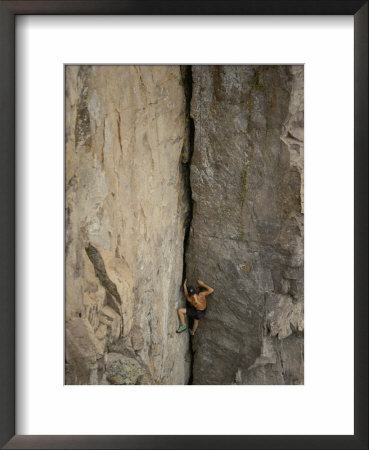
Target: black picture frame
{"type": "Point", "coordinates": [8, 12]}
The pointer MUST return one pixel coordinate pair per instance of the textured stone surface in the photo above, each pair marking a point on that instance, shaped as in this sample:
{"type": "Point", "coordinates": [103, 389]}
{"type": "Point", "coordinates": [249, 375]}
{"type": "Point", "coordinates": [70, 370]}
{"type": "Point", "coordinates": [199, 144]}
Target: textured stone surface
{"type": "Point", "coordinates": [126, 209]}
{"type": "Point", "coordinates": [129, 144]}
{"type": "Point", "coordinates": [246, 236]}
{"type": "Point", "coordinates": [121, 369]}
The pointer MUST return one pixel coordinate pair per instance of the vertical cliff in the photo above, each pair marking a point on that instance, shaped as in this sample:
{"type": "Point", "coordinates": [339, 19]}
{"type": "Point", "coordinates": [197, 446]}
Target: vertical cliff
{"type": "Point", "coordinates": [246, 236]}
{"type": "Point", "coordinates": [176, 171]}
{"type": "Point", "coordinates": [126, 211]}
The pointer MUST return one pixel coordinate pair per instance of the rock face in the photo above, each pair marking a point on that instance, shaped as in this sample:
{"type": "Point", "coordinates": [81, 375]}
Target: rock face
{"type": "Point", "coordinates": [137, 149]}
{"type": "Point", "coordinates": [246, 235]}
{"type": "Point", "coordinates": [126, 210]}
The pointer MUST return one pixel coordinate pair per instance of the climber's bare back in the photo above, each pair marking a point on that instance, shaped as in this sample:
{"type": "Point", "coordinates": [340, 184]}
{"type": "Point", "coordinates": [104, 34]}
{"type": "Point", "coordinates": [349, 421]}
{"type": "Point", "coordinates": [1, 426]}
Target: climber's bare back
{"type": "Point", "coordinates": [198, 301]}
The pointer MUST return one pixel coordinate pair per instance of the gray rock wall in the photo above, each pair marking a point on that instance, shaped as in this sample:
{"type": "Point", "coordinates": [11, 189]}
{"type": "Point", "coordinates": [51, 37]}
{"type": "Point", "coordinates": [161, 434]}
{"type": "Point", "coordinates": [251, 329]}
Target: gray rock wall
{"type": "Point", "coordinates": [246, 236]}
{"type": "Point", "coordinates": [126, 208]}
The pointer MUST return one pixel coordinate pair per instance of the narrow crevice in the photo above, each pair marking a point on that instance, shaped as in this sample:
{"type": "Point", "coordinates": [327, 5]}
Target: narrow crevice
{"type": "Point", "coordinates": [186, 157]}
{"type": "Point", "coordinates": [188, 148]}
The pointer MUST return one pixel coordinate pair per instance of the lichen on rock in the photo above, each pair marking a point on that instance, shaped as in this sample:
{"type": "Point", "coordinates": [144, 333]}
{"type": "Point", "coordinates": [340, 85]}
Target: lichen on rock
{"type": "Point", "coordinates": [122, 370]}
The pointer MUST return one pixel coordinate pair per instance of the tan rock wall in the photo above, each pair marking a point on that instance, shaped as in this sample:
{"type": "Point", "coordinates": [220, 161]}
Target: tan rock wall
{"type": "Point", "coordinates": [125, 216]}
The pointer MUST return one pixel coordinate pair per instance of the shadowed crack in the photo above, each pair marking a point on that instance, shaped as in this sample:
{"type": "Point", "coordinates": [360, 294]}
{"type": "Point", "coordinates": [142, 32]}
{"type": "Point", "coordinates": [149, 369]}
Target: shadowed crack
{"type": "Point", "coordinates": [112, 296]}
{"type": "Point", "coordinates": [186, 164]}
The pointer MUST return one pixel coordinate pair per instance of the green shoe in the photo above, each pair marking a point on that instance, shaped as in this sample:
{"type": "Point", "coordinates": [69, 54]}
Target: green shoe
{"type": "Point", "coordinates": [191, 332]}
{"type": "Point", "coordinates": [181, 329]}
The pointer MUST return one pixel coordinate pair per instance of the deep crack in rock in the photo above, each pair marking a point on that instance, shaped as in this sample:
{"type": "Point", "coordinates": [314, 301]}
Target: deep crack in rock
{"type": "Point", "coordinates": [186, 164]}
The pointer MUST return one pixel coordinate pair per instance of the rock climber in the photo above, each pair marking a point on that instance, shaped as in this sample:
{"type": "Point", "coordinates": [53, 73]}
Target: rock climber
{"type": "Point", "coordinates": [195, 306]}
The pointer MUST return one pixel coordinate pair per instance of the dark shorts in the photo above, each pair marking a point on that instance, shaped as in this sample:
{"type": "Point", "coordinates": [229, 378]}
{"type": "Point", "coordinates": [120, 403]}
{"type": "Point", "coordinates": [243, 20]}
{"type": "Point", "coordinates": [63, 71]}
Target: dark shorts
{"type": "Point", "coordinates": [194, 313]}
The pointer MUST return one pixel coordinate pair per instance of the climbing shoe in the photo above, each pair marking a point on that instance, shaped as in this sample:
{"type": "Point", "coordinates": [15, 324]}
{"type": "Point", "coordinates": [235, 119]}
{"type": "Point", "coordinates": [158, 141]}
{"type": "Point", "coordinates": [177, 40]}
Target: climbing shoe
{"type": "Point", "coordinates": [181, 329]}
{"type": "Point", "coordinates": [191, 332]}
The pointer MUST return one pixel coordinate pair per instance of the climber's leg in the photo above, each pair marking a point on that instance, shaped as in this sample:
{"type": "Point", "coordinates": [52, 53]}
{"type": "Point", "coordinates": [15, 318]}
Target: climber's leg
{"type": "Point", "coordinates": [195, 325]}
{"type": "Point", "coordinates": [181, 314]}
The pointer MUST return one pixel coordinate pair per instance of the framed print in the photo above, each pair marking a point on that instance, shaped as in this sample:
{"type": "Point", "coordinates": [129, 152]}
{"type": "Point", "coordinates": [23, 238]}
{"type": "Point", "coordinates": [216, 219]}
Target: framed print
{"type": "Point", "coordinates": [153, 146]}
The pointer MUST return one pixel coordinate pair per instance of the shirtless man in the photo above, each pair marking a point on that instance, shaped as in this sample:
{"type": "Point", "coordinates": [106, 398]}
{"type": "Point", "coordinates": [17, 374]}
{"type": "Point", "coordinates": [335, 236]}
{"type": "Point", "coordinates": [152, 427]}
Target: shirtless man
{"type": "Point", "coordinates": [195, 306]}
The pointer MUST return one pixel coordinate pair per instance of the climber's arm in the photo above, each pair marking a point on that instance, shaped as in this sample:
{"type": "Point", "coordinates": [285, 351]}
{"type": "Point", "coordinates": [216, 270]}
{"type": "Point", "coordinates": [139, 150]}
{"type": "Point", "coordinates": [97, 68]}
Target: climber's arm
{"type": "Point", "coordinates": [209, 290]}
{"type": "Point", "coordinates": [185, 290]}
